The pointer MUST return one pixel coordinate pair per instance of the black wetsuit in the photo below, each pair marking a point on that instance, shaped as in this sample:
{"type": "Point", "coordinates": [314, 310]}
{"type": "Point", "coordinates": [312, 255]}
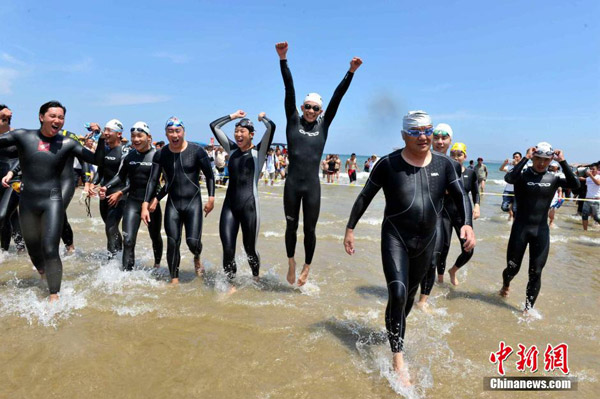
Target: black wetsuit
{"type": "Point", "coordinates": [240, 206]}
{"type": "Point", "coordinates": [135, 168]}
{"type": "Point", "coordinates": [306, 141]}
{"type": "Point", "coordinates": [533, 194]}
{"type": "Point", "coordinates": [9, 201]}
{"type": "Point", "coordinates": [184, 204]}
{"type": "Point", "coordinates": [111, 215]}
{"type": "Point", "coordinates": [442, 240]}
{"type": "Point", "coordinates": [414, 198]}
{"type": "Point", "coordinates": [68, 183]}
{"type": "Point", "coordinates": [41, 204]}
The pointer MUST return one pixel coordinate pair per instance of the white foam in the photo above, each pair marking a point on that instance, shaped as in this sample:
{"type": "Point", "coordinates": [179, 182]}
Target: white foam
{"type": "Point", "coordinates": [272, 234]}
{"type": "Point", "coordinates": [32, 303]}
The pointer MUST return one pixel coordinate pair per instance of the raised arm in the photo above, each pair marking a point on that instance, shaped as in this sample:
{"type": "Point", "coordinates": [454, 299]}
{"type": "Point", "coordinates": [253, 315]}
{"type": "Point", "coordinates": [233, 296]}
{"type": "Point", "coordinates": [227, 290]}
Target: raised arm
{"type": "Point", "coordinates": [227, 144]}
{"type": "Point", "coordinates": [290, 92]}
{"type": "Point", "coordinates": [339, 92]}
{"type": "Point", "coordinates": [266, 140]}
{"type": "Point", "coordinates": [570, 180]}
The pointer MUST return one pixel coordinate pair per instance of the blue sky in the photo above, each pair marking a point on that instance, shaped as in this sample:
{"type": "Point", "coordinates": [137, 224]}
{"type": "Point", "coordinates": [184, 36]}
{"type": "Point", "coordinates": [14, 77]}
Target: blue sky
{"type": "Point", "coordinates": [504, 75]}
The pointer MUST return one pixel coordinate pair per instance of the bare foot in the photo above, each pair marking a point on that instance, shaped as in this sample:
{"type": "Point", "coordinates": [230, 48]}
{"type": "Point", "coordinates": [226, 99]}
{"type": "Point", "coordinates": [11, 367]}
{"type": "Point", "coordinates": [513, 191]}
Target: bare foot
{"type": "Point", "coordinates": [156, 265]}
{"type": "Point", "coordinates": [53, 298]}
{"type": "Point", "coordinates": [452, 273]}
{"type": "Point", "coordinates": [401, 370]}
{"type": "Point", "coordinates": [504, 292]}
{"type": "Point", "coordinates": [232, 290]}
{"type": "Point", "coordinates": [423, 306]}
{"type": "Point", "coordinates": [198, 267]}
{"type": "Point", "coordinates": [303, 275]}
{"type": "Point", "coordinates": [174, 281]}
{"type": "Point", "coordinates": [70, 249]}
{"type": "Point", "coordinates": [256, 278]}
{"type": "Point", "coordinates": [440, 278]}
{"type": "Point", "coordinates": [291, 274]}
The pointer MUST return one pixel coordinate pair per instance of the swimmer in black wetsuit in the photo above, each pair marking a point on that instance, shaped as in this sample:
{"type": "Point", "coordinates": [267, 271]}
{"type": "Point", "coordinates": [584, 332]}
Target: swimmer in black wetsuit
{"type": "Point", "coordinates": [9, 199]}
{"type": "Point", "coordinates": [306, 136]}
{"type": "Point", "coordinates": [67, 188]}
{"type": "Point", "coordinates": [458, 152]}
{"type": "Point", "coordinates": [414, 180]}
{"type": "Point", "coordinates": [534, 190]}
{"type": "Point", "coordinates": [42, 154]}
{"type": "Point", "coordinates": [240, 206]}
{"type": "Point", "coordinates": [111, 208]}
{"type": "Point", "coordinates": [135, 168]}
{"type": "Point", "coordinates": [181, 162]}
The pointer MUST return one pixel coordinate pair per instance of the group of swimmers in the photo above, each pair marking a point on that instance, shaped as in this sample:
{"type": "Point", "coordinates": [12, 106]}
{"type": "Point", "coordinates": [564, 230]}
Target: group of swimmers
{"type": "Point", "coordinates": [426, 196]}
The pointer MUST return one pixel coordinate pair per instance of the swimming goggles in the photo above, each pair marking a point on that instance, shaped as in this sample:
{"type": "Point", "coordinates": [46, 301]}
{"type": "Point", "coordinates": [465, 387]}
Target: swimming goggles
{"type": "Point", "coordinates": [138, 129]}
{"type": "Point", "coordinates": [315, 108]}
{"type": "Point", "coordinates": [437, 133]}
{"type": "Point", "coordinates": [543, 153]}
{"type": "Point", "coordinates": [247, 123]}
{"type": "Point", "coordinates": [417, 132]}
{"type": "Point", "coordinates": [173, 122]}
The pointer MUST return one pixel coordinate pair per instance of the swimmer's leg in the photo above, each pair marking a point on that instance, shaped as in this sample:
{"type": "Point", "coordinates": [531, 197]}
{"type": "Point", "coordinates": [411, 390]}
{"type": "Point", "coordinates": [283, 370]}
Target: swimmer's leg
{"type": "Point", "coordinates": [228, 231]}
{"type": "Point", "coordinates": [517, 243]}
{"type": "Point", "coordinates": [173, 228]}
{"type": "Point", "coordinates": [539, 248]}
{"type": "Point", "coordinates": [311, 206]}
{"type": "Point", "coordinates": [154, 230]}
{"type": "Point", "coordinates": [291, 205]}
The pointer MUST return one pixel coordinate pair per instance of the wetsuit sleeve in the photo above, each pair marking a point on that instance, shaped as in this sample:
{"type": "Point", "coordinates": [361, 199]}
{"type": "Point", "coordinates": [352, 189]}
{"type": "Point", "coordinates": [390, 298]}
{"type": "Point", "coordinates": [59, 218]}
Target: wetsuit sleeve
{"type": "Point", "coordinates": [120, 177]}
{"type": "Point", "coordinates": [153, 179]}
{"type": "Point", "coordinates": [570, 180]}
{"type": "Point", "coordinates": [85, 155]}
{"type": "Point", "coordinates": [265, 142]}
{"type": "Point", "coordinates": [514, 175]}
{"type": "Point", "coordinates": [207, 171]}
{"type": "Point", "coordinates": [7, 139]}
{"type": "Point", "coordinates": [459, 195]}
{"type": "Point", "coordinates": [475, 189]}
{"type": "Point", "coordinates": [290, 93]}
{"type": "Point", "coordinates": [98, 176]}
{"type": "Point", "coordinates": [374, 183]}
{"type": "Point", "coordinates": [16, 168]}
{"type": "Point", "coordinates": [220, 135]}
{"type": "Point", "coordinates": [334, 103]}
{"type": "Point", "coordinates": [160, 194]}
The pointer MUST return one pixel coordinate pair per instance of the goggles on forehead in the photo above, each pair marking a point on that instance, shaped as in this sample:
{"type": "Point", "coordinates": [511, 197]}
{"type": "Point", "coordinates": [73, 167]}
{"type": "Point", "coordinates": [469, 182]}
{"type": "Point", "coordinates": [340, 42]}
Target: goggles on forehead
{"type": "Point", "coordinates": [441, 133]}
{"type": "Point", "coordinates": [174, 123]}
{"type": "Point", "coordinates": [247, 123]}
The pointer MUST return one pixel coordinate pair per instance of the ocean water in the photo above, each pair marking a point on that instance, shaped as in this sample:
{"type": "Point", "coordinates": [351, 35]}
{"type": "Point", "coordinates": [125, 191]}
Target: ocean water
{"type": "Point", "coordinates": [130, 335]}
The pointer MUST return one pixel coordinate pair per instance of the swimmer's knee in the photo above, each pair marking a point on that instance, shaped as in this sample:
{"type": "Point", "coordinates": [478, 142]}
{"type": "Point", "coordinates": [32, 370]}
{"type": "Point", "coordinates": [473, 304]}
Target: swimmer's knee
{"type": "Point", "coordinates": [397, 292]}
{"type": "Point", "coordinates": [194, 245]}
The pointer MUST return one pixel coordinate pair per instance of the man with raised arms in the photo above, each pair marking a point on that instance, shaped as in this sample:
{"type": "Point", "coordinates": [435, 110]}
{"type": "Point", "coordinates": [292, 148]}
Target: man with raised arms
{"type": "Point", "coordinates": [534, 190]}
{"type": "Point", "coordinates": [414, 180]}
{"type": "Point", "coordinates": [181, 162]}
{"type": "Point", "coordinates": [42, 154]}
{"type": "Point", "coordinates": [306, 137]}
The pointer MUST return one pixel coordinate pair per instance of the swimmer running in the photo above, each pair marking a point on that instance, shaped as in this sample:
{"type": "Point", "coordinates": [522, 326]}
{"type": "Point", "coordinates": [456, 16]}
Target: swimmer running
{"type": "Point", "coordinates": [414, 180]}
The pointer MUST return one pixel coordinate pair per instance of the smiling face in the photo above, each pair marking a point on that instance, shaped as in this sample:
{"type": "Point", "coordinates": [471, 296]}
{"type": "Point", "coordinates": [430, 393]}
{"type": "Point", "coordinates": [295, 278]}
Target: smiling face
{"type": "Point", "coordinates": [52, 121]}
{"type": "Point", "coordinates": [458, 156]}
{"type": "Point", "coordinates": [112, 137]}
{"type": "Point", "coordinates": [176, 137]}
{"type": "Point", "coordinates": [243, 137]}
{"type": "Point", "coordinates": [141, 141]}
{"type": "Point", "coordinates": [5, 118]}
{"type": "Point", "coordinates": [308, 111]}
{"type": "Point", "coordinates": [441, 142]}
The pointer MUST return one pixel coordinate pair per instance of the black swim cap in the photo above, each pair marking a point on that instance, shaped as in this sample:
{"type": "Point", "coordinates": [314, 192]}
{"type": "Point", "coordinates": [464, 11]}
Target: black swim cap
{"type": "Point", "coordinates": [247, 123]}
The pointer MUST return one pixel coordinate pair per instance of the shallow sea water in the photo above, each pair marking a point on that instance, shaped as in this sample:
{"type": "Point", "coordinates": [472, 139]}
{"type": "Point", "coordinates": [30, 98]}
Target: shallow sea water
{"type": "Point", "coordinates": [129, 335]}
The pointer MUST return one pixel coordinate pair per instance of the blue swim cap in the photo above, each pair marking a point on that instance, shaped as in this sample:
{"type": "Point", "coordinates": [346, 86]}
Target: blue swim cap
{"type": "Point", "coordinates": [174, 121]}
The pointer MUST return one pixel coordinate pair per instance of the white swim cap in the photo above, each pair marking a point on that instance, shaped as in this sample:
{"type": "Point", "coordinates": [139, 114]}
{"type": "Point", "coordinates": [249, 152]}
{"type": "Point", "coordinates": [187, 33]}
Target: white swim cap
{"type": "Point", "coordinates": [415, 119]}
{"type": "Point", "coordinates": [143, 126]}
{"type": "Point", "coordinates": [315, 98]}
{"type": "Point", "coordinates": [543, 150]}
{"type": "Point", "coordinates": [114, 125]}
{"type": "Point", "coordinates": [443, 127]}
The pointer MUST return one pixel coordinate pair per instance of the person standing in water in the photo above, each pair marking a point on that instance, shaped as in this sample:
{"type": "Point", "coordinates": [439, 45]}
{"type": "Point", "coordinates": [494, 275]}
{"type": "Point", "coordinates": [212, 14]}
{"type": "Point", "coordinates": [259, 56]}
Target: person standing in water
{"type": "Point", "coordinates": [414, 180]}
{"type": "Point", "coordinates": [42, 155]}
{"type": "Point", "coordinates": [135, 168]}
{"type": "Point", "coordinates": [181, 162]}
{"type": "Point", "coordinates": [306, 137]}
{"type": "Point", "coordinates": [534, 190]}
{"type": "Point", "coordinates": [240, 207]}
